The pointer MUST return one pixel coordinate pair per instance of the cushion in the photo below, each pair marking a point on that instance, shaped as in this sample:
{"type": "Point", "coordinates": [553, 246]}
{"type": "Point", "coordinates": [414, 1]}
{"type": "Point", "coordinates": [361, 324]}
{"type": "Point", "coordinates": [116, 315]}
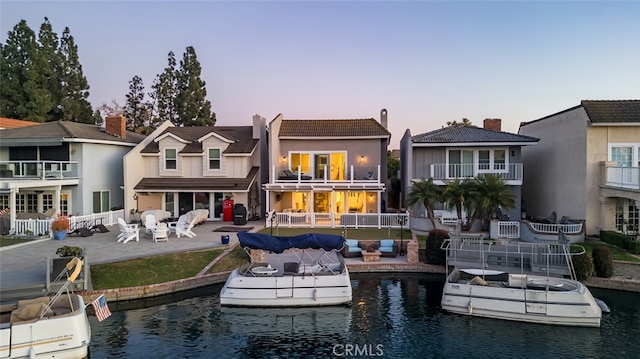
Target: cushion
{"type": "Point", "coordinates": [352, 242]}
{"type": "Point", "coordinates": [386, 243]}
{"type": "Point", "coordinates": [385, 249]}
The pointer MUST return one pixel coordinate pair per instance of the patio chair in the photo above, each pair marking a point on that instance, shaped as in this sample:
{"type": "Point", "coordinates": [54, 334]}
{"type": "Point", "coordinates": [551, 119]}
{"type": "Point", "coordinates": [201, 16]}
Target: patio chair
{"type": "Point", "coordinates": [161, 233]}
{"type": "Point", "coordinates": [351, 248]}
{"type": "Point", "coordinates": [388, 248]}
{"type": "Point", "coordinates": [182, 227]}
{"type": "Point", "coordinates": [150, 223]}
{"type": "Point", "coordinates": [128, 231]}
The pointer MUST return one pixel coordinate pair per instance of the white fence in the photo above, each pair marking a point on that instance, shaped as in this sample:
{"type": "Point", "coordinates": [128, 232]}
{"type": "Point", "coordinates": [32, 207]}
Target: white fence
{"type": "Point", "coordinates": [572, 228]}
{"type": "Point", "coordinates": [42, 227]}
{"type": "Point", "coordinates": [340, 220]}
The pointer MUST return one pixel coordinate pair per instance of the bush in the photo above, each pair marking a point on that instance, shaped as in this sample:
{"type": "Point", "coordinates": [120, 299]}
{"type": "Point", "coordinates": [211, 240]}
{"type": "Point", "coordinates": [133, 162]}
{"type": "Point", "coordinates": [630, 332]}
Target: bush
{"type": "Point", "coordinates": [583, 266]}
{"type": "Point", "coordinates": [60, 224]}
{"type": "Point", "coordinates": [434, 254]}
{"type": "Point", "coordinates": [602, 261]}
{"type": "Point", "coordinates": [69, 251]}
{"type": "Point", "coordinates": [615, 238]}
{"type": "Point", "coordinates": [634, 247]}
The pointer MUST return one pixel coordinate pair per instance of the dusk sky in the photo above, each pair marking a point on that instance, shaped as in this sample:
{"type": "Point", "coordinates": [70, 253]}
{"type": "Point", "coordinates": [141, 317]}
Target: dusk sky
{"type": "Point", "coordinates": [426, 62]}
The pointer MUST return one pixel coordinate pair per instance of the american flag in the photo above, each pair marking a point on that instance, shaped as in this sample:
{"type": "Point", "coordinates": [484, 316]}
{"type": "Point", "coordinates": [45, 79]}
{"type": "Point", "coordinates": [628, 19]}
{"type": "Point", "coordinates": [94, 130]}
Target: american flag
{"type": "Point", "coordinates": [101, 308]}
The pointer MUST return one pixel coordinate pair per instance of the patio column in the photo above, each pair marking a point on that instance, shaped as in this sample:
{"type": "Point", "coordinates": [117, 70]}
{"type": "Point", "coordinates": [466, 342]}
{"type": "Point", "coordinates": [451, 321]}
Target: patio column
{"type": "Point", "coordinates": [12, 209]}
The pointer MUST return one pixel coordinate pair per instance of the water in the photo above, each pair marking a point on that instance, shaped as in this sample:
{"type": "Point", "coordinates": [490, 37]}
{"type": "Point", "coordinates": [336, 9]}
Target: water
{"type": "Point", "coordinates": [392, 316]}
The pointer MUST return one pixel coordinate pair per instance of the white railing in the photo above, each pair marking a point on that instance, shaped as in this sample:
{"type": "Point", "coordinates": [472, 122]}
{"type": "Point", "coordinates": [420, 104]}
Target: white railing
{"type": "Point", "coordinates": [357, 174]}
{"type": "Point", "coordinates": [340, 220]}
{"type": "Point", "coordinates": [445, 171]}
{"type": "Point", "coordinates": [39, 169]}
{"type": "Point", "coordinates": [42, 227]}
{"type": "Point", "coordinates": [509, 230]}
{"type": "Point", "coordinates": [551, 228]}
{"type": "Point", "coordinates": [624, 177]}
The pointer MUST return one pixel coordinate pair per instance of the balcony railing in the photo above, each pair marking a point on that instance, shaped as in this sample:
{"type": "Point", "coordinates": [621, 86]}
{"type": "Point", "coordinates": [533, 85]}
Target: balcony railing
{"type": "Point", "coordinates": [445, 171]}
{"type": "Point", "coordinates": [623, 177]}
{"type": "Point", "coordinates": [327, 174]}
{"type": "Point", "coordinates": [338, 220]}
{"type": "Point", "coordinates": [43, 170]}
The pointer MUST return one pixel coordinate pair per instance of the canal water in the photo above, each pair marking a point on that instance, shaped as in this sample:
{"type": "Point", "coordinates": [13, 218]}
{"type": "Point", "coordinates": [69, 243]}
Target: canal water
{"type": "Point", "coordinates": [392, 316]}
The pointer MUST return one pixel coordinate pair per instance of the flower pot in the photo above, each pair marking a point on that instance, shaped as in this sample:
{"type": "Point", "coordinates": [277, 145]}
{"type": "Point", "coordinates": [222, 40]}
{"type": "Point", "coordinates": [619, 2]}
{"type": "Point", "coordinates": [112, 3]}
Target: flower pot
{"type": "Point", "coordinates": [59, 235]}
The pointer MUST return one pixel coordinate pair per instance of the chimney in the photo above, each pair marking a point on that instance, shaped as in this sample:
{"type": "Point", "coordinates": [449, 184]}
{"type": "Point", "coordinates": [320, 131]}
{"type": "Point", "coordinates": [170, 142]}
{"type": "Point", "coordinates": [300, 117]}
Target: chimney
{"type": "Point", "coordinates": [383, 117]}
{"type": "Point", "coordinates": [116, 125]}
{"type": "Point", "coordinates": [494, 124]}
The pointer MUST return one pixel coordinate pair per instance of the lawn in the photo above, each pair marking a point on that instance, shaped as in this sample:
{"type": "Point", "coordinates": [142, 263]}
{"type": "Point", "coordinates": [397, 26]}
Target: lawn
{"type": "Point", "coordinates": [618, 253]}
{"type": "Point", "coordinates": [8, 241]}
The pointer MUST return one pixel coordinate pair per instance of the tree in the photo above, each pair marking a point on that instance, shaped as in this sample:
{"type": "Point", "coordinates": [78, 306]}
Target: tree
{"type": "Point", "coordinates": [52, 68]}
{"type": "Point", "coordinates": [454, 193]}
{"type": "Point", "coordinates": [75, 88]}
{"type": "Point", "coordinates": [463, 123]}
{"type": "Point", "coordinates": [23, 93]}
{"type": "Point", "coordinates": [427, 193]}
{"type": "Point", "coordinates": [136, 110]}
{"type": "Point", "coordinates": [191, 104]}
{"type": "Point", "coordinates": [487, 194]}
{"type": "Point", "coordinates": [393, 166]}
{"type": "Point", "coordinates": [165, 90]}
{"type": "Point", "coordinates": [108, 109]}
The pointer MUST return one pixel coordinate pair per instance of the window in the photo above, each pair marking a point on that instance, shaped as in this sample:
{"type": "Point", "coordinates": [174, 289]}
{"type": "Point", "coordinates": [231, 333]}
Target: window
{"type": "Point", "coordinates": [214, 158]}
{"type": "Point", "coordinates": [47, 201]}
{"type": "Point", "coordinates": [170, 159]}
{"type": "Point", "coordinates": [460, 163]}
{"type": "Point", "coordinates": [622, 156]}
{"type": "Point", "coordinates": [100, 201]}
{"type": "Point", "coordinates": [620, 214]}
{"type": "Point", "coordinates": [64, 204]}
{"type": "Point", "coordinates": [4, 201]}
{"type": "Point", "coordinates": [499, 160]}
{"type": "Point", "coordinates": [169, 202]}
{"type": "Point", "coordinates": [484, 160]}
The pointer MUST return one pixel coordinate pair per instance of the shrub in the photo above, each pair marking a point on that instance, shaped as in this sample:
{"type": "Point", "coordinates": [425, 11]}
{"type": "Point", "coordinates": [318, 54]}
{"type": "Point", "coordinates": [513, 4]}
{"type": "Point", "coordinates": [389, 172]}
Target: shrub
{"type": "Point", "coordinates": [602, 261]}
{"type": "Point", "coordinates": [435, 255]}
{"type": "Point", "coordinates": [60, 224]}
{"type": "Point", "coordinates": [583, 266]}
{"type": "Point", "coordinates": [69, 251]}
{"type": "Point", "coordinates": [634, 247]}
{"type": "Point", "coordinates": [615, 238]}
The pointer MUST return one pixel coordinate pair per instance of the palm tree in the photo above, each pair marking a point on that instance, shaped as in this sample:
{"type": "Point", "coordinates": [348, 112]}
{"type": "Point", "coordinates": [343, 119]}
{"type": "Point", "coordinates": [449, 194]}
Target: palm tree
{"type": "Point", "coordinates": [454, 193]}
{"type": "Point", "coordinates": [487, 194]}
{"type": "Point", "coordinates": [427, 193]}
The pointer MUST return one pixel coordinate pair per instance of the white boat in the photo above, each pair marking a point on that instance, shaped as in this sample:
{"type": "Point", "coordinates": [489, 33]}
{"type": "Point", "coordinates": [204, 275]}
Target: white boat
{"type": "Point", "coordinates": [53, 326]}
{"type": "Point", "coordinates": [298, 271]}
{"type": "Point", "coordinates": [515, 293]}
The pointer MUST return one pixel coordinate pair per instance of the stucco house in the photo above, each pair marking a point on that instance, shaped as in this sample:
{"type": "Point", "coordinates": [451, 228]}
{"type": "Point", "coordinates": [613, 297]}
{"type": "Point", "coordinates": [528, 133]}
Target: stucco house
{"type": "Point", "coordinates": [179, 169]}
{"type": "Point", "coordinates": [464, 152]}
{"type": "Point", "coordinates": [323, 169]}
{"type": "Point", "coordinates": [586, 164]}
{"type": "Point", "coordinates": [68, 168]}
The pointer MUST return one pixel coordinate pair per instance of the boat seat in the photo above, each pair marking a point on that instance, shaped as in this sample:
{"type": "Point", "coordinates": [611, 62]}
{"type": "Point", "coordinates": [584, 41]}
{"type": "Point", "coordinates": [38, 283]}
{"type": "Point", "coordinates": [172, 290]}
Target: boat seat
{"type": "Point", "coordinates": [291, 267]}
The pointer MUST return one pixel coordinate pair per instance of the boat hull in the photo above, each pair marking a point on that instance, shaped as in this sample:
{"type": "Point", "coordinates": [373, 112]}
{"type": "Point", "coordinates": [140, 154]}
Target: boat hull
{"type": "Point", "coordinates": [545, 300]}
{"type": "Point", "coordinates": [286, 290]}
{"type": "Point", "coordinates": [59, 336]}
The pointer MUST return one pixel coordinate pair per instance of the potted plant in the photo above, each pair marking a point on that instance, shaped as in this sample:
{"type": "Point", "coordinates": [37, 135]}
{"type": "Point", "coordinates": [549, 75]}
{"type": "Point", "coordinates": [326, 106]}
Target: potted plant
{"type": "Point", "coordinates": [60, 226]}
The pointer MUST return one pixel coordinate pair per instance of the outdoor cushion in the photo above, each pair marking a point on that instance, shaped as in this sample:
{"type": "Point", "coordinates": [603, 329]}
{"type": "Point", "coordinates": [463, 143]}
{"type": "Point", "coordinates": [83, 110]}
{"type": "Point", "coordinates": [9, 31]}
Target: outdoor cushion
{"type": "Point", "coordinates": [353, 245]}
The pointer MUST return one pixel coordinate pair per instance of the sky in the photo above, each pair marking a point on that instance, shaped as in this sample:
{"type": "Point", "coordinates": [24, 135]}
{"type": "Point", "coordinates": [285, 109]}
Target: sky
{"type": "Point", "coordinates": [426, 62]}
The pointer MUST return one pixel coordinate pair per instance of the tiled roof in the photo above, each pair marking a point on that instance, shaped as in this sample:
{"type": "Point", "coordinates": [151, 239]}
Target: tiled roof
{"type": "Point", "coordinates": [7, 123]}
{"type": "Point", "coordinates": [241, 135]}
{"type": "Point", "coordinates": [612, 111]}
{"type": "Point", "coordinates": [469, 134]}
{"type": "Point", "coordinates": [218, 184]}
{"type": "Point", "coordinates": [333, 128]}
{"type": "Point", "coordinates": [67, 130]}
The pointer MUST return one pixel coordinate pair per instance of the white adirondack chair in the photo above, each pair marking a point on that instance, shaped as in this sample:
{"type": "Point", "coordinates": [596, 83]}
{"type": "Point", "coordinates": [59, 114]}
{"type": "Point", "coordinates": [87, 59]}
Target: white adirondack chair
{"type": "Point", "coordinates": [161, 233]}
{"type": "Point", "coordinates": [182, 227]}
{"type": "Point", "coordinates": [150, 223]}
{"type": "Point", "coordinates": [128, 231]}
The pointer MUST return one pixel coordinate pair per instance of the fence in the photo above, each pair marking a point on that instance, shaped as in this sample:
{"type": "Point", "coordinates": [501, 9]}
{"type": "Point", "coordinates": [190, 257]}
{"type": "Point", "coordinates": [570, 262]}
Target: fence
{"type": "Point", "coordinates": [339, 220]}
{"type": "Point", "coordinates": [42, 227]}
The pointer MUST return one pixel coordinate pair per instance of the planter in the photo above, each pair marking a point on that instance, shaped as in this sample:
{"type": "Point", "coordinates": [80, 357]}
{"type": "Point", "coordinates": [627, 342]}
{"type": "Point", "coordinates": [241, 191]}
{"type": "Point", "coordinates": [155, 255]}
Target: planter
{"type": "Point", "coordinates": [59, 235]}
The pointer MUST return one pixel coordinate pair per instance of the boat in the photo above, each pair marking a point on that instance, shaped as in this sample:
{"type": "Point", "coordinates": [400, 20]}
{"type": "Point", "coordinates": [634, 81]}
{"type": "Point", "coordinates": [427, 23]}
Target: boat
{"type": "Point", "coordinates": [52, 326]}
{"type": "Point", "coordinates": [517, 281]}
{"type": "Point", "coordinates": [298, 271]}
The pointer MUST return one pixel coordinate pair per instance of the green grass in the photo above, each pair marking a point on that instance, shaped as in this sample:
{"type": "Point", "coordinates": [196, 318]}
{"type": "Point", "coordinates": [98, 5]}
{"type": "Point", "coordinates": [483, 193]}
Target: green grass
{"type": "Point", "coordinates": [151, 270]}
{"type": "Point", "coordinates": [8, 241]}
{"type": "Point", "coordinates": [231, 261]}
{"type": "Point", "coordinates": [618, 253]}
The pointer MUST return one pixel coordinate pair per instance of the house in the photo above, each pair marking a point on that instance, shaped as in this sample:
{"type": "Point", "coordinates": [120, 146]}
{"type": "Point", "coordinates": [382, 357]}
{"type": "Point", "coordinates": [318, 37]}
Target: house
{"type": "Point", "coordinates": [8, 123]}
{"type": "Point", "coordinates": [68, 168]}
{"type": "Point", "coordinates": [179, 169]}
{"type": "Point", "coordinates": [323, 169]}
{"type": "Point", "coordinates": [586, 165]}
{"type": "Point", "coordinates": [464, 152]}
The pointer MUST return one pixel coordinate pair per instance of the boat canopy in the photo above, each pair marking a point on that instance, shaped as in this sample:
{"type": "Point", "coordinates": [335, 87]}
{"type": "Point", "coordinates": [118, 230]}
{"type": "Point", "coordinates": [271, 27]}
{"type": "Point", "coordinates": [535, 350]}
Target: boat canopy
{"type": "Point", "coordinates": [279, 244]}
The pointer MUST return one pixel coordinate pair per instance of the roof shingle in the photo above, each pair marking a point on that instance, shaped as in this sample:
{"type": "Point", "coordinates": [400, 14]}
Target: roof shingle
{"type": "Point", "coordinates": [621, 111]}
{"type": "Point", "coordinates": [333, 128]}
{"type": "Point", "coordinates": [469, 134]}
{"type": "Point", "coordinates": [242, 137]}
{"type": "Point", "coordinates": [66, 130]}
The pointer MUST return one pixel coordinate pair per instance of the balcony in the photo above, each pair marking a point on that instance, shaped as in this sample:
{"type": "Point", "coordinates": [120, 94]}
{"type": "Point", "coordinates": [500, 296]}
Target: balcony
{"type": "Point", "coordinates": [38, 170]}
{"type": "Point", "coordinates": [444, 171]}
{"type": "Point", "coordinates": [327, 175]}
{"type": "Point", "coordinates": [622, 177]}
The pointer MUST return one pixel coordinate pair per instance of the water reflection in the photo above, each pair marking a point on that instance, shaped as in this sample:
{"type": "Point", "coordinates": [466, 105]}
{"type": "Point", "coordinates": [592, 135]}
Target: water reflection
{"type": "Point", "coordinates": [399, 314]}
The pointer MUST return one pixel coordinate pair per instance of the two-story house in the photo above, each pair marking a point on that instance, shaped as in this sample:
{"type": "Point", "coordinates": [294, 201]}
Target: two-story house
{"type": "Point", "coordinates": [464, 152]}
{"type": "Point", "coordinates": [179, 169]}
{"type": "Point", "coordinates": [68, 168]}
{"type": "Point", "coordinates": [323, 169]}
{"type": "Point", "coordinates": [586, 164]}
